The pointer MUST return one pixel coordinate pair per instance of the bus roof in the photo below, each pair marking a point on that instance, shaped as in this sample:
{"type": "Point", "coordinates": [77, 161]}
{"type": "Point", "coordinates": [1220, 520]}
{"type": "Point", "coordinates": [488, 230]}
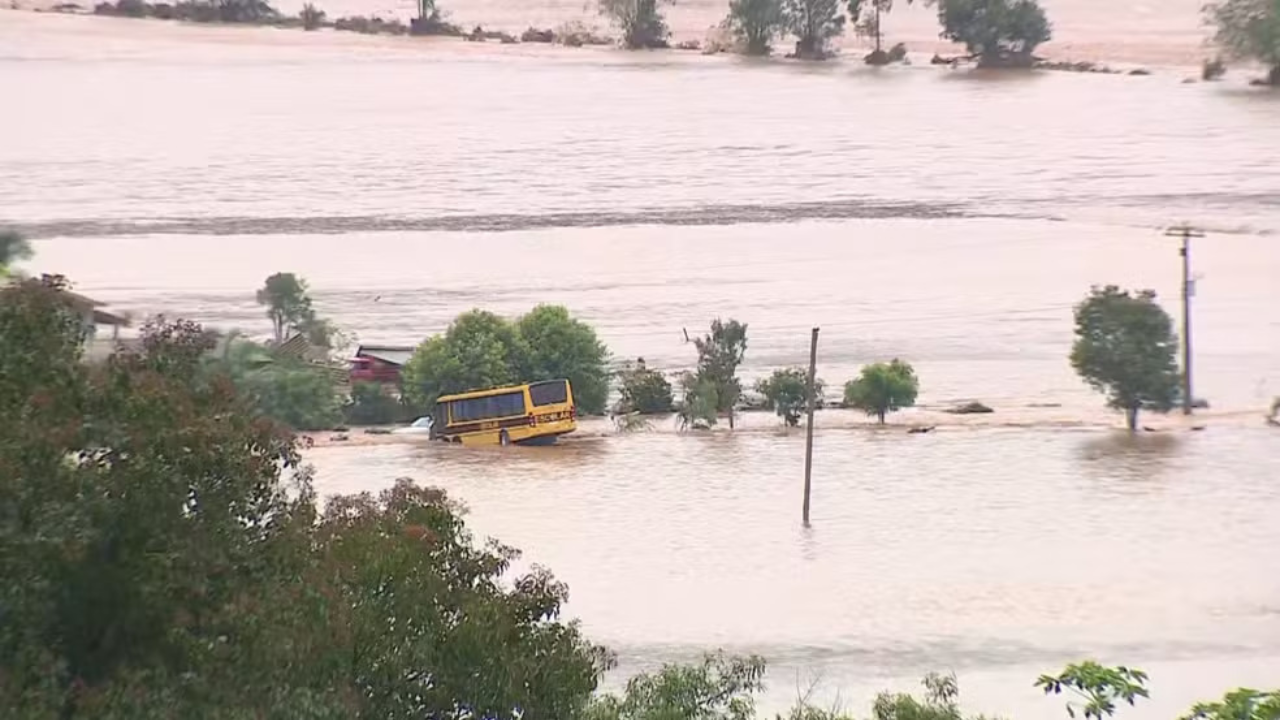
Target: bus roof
{"type": "Point", "coordinates": [492, 391]}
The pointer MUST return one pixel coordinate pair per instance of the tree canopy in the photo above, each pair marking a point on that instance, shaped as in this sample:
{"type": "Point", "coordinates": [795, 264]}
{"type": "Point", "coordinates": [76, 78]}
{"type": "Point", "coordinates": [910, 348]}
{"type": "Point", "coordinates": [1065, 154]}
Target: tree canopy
{"type": "Point", "coordinates": [163, 557]}
{"type": "Point", "coordinates": [643, 390]}
{"type": "Point", "coordinates": [716, 382]}
{"type": "Point", "coordinates": [13, 248]}
{"type": "Point", "coordinates": [1249, 30]}
{"type": "Point", "coordinates": [640, 21]}
{"type": "Point", "coordinates": [998, 32]}
{"type": "Point", "coordinates": [883, 388]}
{"type": "Point", "coordinates": [1125, 347]}
{"type": "Point", "coordinates": [786, 393]}
{"type": "Point", "coordinates": [813, 23]}
{"type": "Point", "coordinates": [481, 350]}
{"type": "Point", "coordinates": [756, 23]}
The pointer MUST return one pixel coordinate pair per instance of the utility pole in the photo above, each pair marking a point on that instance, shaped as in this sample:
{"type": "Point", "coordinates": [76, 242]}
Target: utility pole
{"type": "Point", "coordinates": [1186, 232]}
{"type": "Point", "coordinates": [808, 425]}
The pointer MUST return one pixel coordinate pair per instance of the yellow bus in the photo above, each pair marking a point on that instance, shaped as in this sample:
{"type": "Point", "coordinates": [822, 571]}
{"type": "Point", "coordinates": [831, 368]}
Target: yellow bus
{"type": "Point", "coordinates": [529, 414]}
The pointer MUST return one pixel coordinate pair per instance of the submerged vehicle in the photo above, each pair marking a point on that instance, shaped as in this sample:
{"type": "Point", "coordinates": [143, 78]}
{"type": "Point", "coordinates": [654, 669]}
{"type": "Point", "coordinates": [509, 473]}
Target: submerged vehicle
{"type": "Point", "coordinates": [529, 414]}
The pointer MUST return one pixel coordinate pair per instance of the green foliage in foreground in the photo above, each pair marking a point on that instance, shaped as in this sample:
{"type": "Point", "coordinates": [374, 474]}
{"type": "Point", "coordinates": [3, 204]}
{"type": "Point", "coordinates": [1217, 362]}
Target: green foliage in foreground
{"type": "Point", "coordinates": [786, 393]}
{"type": "Point", "coordinates": [883, 388]}
{"type": "Point", "coordinates": [481, 350]}
{"type": "Point", "coordinates": [1125, 347]}
{"type": "Point", "coordinates": [163, 557]}
{"type": "Point", "coordinates": [1097, 688]}
{"type": "Point", "coordinates": [1248, 30]}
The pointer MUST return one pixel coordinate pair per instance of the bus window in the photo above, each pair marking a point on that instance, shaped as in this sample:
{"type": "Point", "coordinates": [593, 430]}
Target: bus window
{"type": "Point", "coordinates": [550, 392]}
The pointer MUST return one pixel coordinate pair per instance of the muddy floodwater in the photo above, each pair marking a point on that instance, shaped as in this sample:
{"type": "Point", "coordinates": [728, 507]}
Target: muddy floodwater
{"type": "Point", "coordinates": [947, 218]}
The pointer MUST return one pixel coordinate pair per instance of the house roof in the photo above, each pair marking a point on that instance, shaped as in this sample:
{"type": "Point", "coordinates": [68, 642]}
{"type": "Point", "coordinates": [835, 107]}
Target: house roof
{"type": "Point", "coordinates": [391, 354]}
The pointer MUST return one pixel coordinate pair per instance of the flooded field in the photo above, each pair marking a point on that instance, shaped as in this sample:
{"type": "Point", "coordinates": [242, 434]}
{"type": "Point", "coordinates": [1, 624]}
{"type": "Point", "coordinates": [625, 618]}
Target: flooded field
{"type": "Point", "coordinates": [947, 218]}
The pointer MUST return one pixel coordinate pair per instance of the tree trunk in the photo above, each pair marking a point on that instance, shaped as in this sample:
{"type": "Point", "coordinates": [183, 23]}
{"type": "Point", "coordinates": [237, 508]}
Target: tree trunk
{"type": "Point", "coordinates": [881, 416]}
{"type": "Point", "coordinates": [1131, 418]}
{"type": "Point", "coordinates": [1273, 77]}
{"type": "Point", "coordinates": [730, 418]}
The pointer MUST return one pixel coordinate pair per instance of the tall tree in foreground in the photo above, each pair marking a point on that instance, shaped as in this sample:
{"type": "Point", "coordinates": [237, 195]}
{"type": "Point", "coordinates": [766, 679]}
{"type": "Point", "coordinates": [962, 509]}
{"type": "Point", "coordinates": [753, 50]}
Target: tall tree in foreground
{"type": "Point", "coordinates": [756, 23]}
{"type": "Point", "coordinates": [720, 352]}
{"type": "Point", "coordinates": [13, 248]}
{"type": "Point", "coordinates": [813, 23]}
{"type": "Point", "coordinates": [1249, 30]}
{"type": "Point", "coordinates": [1125, 347]}
{"type": "Point", "coordinates": [162, 558]}
{"type": "Point", "coordinates": [1000, 33]}
{"type": "Point", "coordinates": [883, 388]}
{"type": "Point", "coordinates": [640, 21]}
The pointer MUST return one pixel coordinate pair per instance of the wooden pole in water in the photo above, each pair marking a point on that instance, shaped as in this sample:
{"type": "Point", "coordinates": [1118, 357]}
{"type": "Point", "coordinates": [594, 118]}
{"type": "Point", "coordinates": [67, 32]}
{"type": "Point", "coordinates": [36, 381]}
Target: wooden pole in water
{"type": "Point", "coordinates": [808, 426]}
{"type": "Point", "coordinates": [1186, 232]}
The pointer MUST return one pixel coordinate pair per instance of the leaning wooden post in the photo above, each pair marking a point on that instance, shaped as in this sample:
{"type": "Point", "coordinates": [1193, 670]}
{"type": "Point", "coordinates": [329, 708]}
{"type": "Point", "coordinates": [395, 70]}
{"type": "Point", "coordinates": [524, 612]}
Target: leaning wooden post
{"type": "Point", "coordinates": [808, 426]}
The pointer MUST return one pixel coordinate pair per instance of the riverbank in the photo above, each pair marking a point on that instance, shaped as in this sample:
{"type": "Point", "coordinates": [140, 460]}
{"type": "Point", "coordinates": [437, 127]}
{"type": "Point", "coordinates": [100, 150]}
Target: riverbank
{"type": "Point", "coordinates": [1180, 52]}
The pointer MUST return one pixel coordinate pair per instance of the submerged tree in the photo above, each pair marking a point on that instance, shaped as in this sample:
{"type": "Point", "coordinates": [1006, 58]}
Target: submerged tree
{"type": "Point", "coordinates": [162, 557]}
{"type": "Point", "coordinates": [1000, 33]}
{"type": "Point", "coordinates": [883, 388]}
{"type": "Point", "coordinates": [1125, 347]}
{"type": "Point", "coordinates": [481, 350]}
{"type": "Point", "coordinates": [643, 390]}
{"type": "Point", "coordinates": [756, 23]}
{"type": "Point", "coordinates": [813, 23]}
{"type": "Point", "coordinates": [1249, 30]}
{"type": "Point", "coordinates": [13, 248]}
{"type": "Point", "coordinates": [786, 393]}
{"type": "Point", "coordinates": [720, 352]}
{"type": "Point", "coordinates": [640, 21]}
{"type": "Point", "coordinates": [865, 16]}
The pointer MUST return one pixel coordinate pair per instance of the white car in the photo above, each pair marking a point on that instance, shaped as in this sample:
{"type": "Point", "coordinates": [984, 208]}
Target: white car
{"type": "Point", "coordinates": [421, 426]}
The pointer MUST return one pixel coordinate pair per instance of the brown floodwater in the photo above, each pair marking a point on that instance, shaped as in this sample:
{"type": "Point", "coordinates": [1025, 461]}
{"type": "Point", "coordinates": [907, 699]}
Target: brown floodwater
{"type": "Point", "coordinates": [948, 218]}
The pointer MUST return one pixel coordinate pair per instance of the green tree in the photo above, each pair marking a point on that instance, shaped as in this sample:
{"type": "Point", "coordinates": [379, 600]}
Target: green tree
{"type": "Point", "coordinates": [865, 16]}
{"type": "Point", "coordinates": [719, 688]}
{"type": "Point", "coordinates": [756, 23]}
{"type": "Point", "coordinates": [415, 594]}
{"type": "Point", "coordinates": [883, 388]}
{"type": "Point", "coordinates": [640, 21]}
{"type": "Point", "coordinates": [720, 352]}
{"type": "Point", "coordinates": [1125, 347]}
{"type": "Point", "coordinates": [1097, 688]}
{"type": "Point", "coordinates": [786, 393]}
{"type": "Point", "coordinates": [1239, 704]}
{"type": "Point", "coordinates": [1000, 33]}
{"type": "Point", "coordinates": [13, 248]}
{"type": "Point", "coordinates": [553, 345]}
{"type": "Point", "coordinates": [288, 305]}
{"type": "Point", "coordinates": [940, 702]}
{"type": "Point", "coordinates": [479, 350]}
{"type": "Point", "coordinates": [156, 564]}
{"type": "Point", "coordinates": [698, 408]}
{"type": "Point", "coordinates": [293, 393]}
{"type": "Point", "coordinates": [312, 17]}
{"type": "Point", "coordinates": [813, 23]}
{"type": "Point", "coordinates": [642, 390]}
{"type": "Point", "coordinates": [1249, 30]}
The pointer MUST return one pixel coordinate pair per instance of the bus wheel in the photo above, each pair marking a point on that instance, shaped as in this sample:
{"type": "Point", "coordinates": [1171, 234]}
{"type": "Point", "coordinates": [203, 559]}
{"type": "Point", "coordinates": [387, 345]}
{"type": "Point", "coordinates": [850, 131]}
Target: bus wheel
{"type": "Point", "coordinates": [504, 439]}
